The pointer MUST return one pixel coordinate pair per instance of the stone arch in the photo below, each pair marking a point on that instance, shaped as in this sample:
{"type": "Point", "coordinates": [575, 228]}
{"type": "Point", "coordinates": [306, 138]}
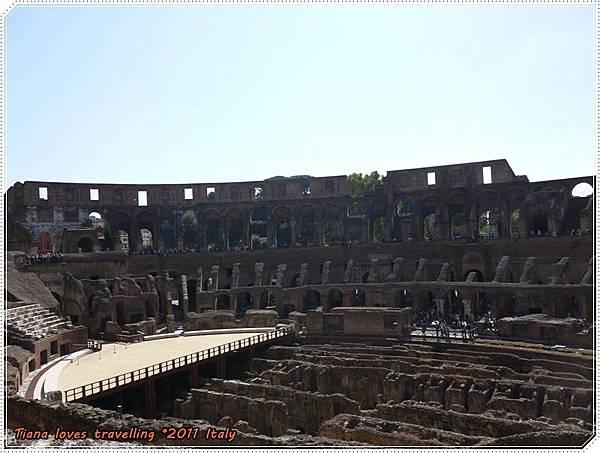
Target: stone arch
{"type": "Point", "coordinates": [222, 302]}
{"type": "Point", "coordinates": [479, 274]}
{"type": "Point", "coordinates": [403, 299]}
{"type": "Point", "coordinates": [516, 224]}
{"type": "Point", "coordinates": [307, 229]}
{"type": "Point", "coordinates": [122, 225]}
{"type": "Point", "coordinates": [457, 215]}
{"type": "Point", "coordinates": [189, 225]}
{"type": "Point", "coordinates": [243, 302]}
{"type": "Point", "coordinates": [582, 190]}
{"type": "Point", "coordinates": [212, 228]}
{"type": "Point", "coordinates": [360, 299]}
{"type": "Point", "coordinates": [169, 237]}
{"type": "Point", "coordinates": [538, 222]}
{"type": "Point", "coordinates": [264, 300]}
{"type": "Point", "coordinates": [312, 300]}
{"type": "Point", "coordinates": [145, 223]}
{"type": "Point", "coordinates": [429, 207]}
{"type": "Point", "coordinates": [235, 228]}
{"type": "Point", "coordinates": [86, 244]}
{"type": "Point", "coordinates": [333, 232]}
{"type": "Point", "coordinates": [335, 298]}
{"type": "Point", "coordinates": [378, 228]}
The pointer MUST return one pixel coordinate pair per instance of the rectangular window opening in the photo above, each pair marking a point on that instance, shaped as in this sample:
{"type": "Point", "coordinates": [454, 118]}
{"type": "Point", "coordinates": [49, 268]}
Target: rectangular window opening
{"type": "Point", "coordinates": [142, 198]}
{"type": "Point", "coordinates": [258, 193]}
{"type": "Point", "coordinates": [211, 192]}
{"type": "Point", "coordinates": [431, 179]}
{"type": "Point", "coordinates": [43, 191]}
{"type": "Point", "coordinates": [188, 193]}
{"type": "Point", "coordinates": [94, 194]}
{"type": "Point", "coordinates": [487, 175]}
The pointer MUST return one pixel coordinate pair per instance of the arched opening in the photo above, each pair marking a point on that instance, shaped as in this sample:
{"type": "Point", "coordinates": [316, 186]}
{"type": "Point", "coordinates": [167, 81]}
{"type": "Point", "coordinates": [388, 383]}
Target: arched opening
{"type": "Point", "coordinates": [212, 230]}
{"type": "Point", "coordinates": [312, 300]}
{"type": "Point", "coordinates": [284, 235]}
{"type": "Point", "coordinates": [283, 230]}
{"type": "Point", "coordinates": [146, 225]}
{"type": "Point", "coordinates": [360, 299]}
{"type": "Point", "coordinates": [123, 240]}
{"type": "Point", "coordinates": [95, 220]}
{"type": "Point", "coordinates": [235, 233]}
{"type": "Point", "coordinates": [223, 302]}
{"type": "Point", "coordinates": [485, 225]}
{"type": "Point", "coordinates": [335, 298]}
{"type": "Point", "coordinates": [189, 225]}
{"type": "Point", "coordinates": [169, 239]}
{"type": "Point", "coordinates": [429, 223]}
{"type": "Point", "coordinates": [45, 242]}
{"type": "Point", "coordinates": [582, 190]}
{"type": "Point", "coordinates": [333, 233]}
{"type": "Point", "coordinates": [85, 245]}
{"type": "Point", "coordinates": [405, 207]}
{"type": "Point", "coordinates": [479, 277]}
{"type": "Point", "coordinates": [147, 243]}
{"type": "Point", "coordinates": [379, 228]}
{"type": "Point", "coordinates": [355, 209]}
{"type": "Point", "coordinates": [538, 224]}
{"type": "Point", "coordinates": [515, 224]}
{"type": "Point", "coordinates": [403, 299]}
{"type": "Point", "coordinates": [264, 300]}
{"type": "Point", "coordinates": [365, 277]}
{"type": "Point", "coordinates": [258, 236]}
{"type": "Point", "coordinates": [307, 231]}
{"type": "Point", "coordinates": [458, 226]}
{"type": "Point", "coordinates": [243, 303]}
{"type": "Point", "coordinates": [259, 214]}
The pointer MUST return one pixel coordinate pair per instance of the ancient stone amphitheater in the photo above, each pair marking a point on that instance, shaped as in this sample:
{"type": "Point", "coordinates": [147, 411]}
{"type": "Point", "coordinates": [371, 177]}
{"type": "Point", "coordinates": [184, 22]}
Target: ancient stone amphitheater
{"type": "Point", "coordinates": [446, 311]}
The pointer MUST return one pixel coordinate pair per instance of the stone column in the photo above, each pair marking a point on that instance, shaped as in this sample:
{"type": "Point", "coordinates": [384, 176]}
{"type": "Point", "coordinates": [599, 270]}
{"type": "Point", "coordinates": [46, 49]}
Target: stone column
{"type": "Point", "coordinates": [184, 296]}
{"type": "Point", "coordinates": [150, 398]}
{"type": "Point", "coordinates": [292, 232]}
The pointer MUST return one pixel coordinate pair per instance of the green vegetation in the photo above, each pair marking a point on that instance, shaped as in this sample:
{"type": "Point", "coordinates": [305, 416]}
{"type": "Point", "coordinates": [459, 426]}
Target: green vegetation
{"type": "Point", "coordinates": [362, 184]}
{"type": "Point", "coordinates": [379, 229]}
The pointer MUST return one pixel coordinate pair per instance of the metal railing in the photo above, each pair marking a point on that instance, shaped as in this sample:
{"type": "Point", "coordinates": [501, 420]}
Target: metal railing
{"type": "Point", "coordinates": [453, 334]}
{"type": "Point", "coordinates": [94, 345]}
{"type": "Point", "coordinates": [168, 365]}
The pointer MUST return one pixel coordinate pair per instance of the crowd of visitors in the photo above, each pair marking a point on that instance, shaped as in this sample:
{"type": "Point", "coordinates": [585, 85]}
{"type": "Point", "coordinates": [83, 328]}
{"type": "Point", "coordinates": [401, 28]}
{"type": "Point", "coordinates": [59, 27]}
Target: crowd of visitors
{"type": "Point", "coordinates": [456, 323]}
{"type": "Point", "coordinates": [26, 261]}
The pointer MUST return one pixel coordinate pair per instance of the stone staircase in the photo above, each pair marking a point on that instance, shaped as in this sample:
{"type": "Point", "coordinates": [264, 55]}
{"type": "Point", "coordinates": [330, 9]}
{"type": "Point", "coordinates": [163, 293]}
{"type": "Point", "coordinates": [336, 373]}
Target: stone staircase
{"type": "Point", "coordinates": [34, 322]}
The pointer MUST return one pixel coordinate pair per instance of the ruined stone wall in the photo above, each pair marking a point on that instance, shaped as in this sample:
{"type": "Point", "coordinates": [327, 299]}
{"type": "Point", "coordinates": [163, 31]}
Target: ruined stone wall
{"type": "Point", "coordinates": [306, 205]}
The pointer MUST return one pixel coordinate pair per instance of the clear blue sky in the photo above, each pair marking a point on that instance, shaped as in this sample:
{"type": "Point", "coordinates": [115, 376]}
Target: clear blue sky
{"type": "Point", "coordinates": [216, 94]}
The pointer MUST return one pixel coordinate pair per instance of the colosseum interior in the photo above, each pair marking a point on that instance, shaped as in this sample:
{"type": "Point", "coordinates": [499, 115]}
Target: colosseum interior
{"type": "Point", "coordinates": [445, 306]}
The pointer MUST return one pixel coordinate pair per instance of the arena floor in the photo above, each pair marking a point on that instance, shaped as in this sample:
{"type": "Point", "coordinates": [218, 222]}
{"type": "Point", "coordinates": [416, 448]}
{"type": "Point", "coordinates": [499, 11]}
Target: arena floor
{"type": "Point", "coordinates": [115, 359]}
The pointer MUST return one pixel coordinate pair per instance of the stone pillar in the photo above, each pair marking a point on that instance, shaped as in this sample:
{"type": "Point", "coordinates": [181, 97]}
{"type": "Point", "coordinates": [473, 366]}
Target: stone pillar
{"type": "Point", "coordinates": [320, 232]}
{"type": "Point", "coordinates": [271, 233]}
{"type": "Point", "coordinates": [184, 296]}
{"type": "Point", "coordinates": [150, 398]}
{"type": "Point", "coordinates": [365, 232]}
{"type": "Point", "coordinates": [193, 377]}
{"type": "Point", "coordinates": [167, 292]}
{"type": "Point", "coordinates": [441, 307]}
{"type": "Point", "coordinates": [221, 367]}
{"type": "Point", "coordinates": [293, 233]}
